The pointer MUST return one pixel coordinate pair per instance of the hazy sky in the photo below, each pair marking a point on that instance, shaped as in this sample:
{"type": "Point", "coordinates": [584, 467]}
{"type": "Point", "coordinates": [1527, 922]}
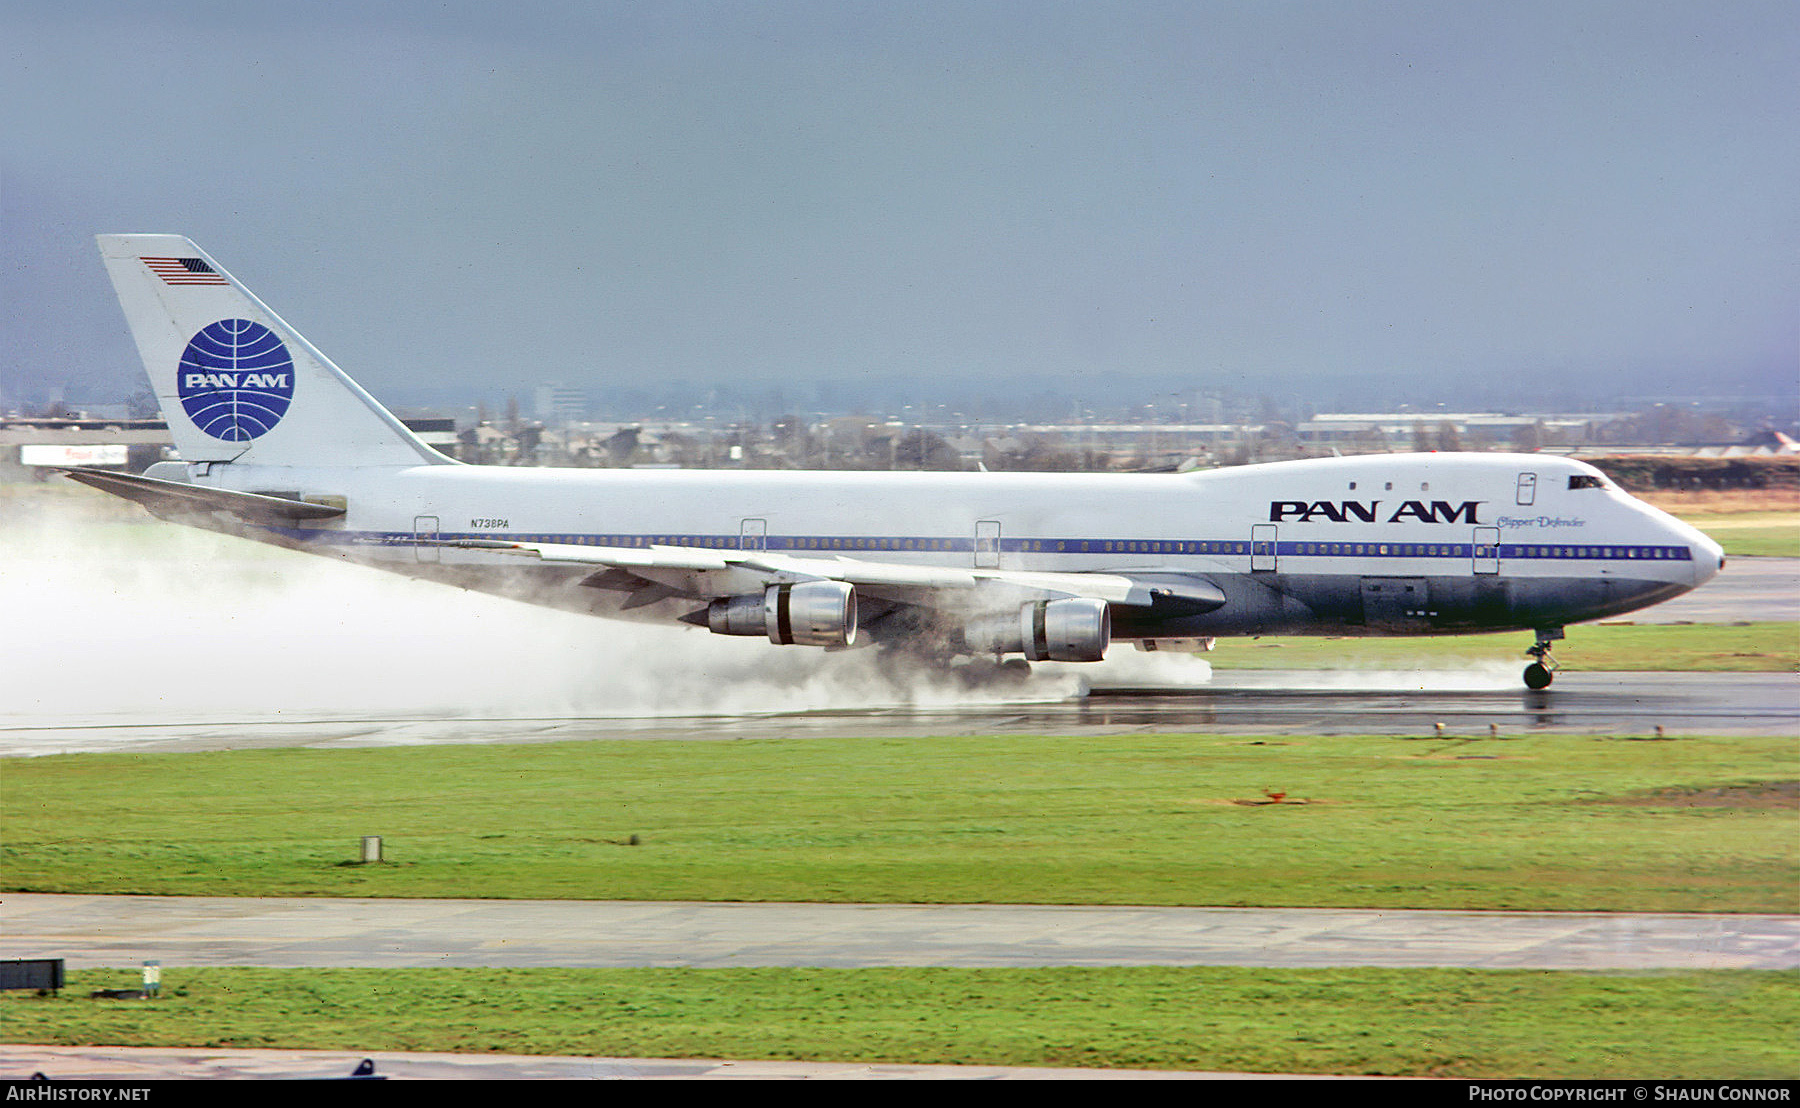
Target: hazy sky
{"type": "Point", "coordinates": [931, 197]}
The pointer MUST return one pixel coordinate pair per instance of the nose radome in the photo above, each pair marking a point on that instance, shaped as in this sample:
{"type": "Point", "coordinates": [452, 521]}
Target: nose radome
{"type": "Point", "coordinates": [1708, 556]}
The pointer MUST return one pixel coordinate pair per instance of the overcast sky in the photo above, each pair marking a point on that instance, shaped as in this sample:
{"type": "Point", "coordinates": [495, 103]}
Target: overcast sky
{"type": "Point", "coordinates": [1303, 198]}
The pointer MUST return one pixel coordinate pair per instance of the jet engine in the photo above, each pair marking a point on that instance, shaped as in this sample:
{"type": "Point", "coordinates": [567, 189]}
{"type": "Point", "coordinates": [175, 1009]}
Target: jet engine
{"type": "Point", "coordinates": [1046, 631]}
{"type": "Point", "coordinates": [810, 613]}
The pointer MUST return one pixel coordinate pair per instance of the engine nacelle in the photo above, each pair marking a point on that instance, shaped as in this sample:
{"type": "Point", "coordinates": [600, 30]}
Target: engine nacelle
{"type": "Point", "coordinates": [1046, 631]}
{"type": "Point", "coordinates": [811, 613]}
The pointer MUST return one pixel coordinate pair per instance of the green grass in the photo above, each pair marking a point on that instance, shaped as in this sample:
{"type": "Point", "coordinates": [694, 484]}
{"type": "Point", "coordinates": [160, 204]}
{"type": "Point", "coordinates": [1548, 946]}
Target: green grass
{"type": "Point", "coordinates": [1753, 647]}
{"type": "Point", "coordinates": [1420, 1022]}
{"type": "Point", "coordinates": [1538, 822]}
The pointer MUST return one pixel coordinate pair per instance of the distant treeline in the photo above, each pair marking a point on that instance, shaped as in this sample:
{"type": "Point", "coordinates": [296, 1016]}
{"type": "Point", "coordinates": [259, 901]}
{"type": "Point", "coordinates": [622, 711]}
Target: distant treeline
{"type": "Point", "coordinates": [1643, 472]}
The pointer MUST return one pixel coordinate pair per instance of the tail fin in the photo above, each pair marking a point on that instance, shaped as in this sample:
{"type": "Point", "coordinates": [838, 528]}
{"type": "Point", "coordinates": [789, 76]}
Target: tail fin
{"type": "Point", "coordinates": [237, 384]}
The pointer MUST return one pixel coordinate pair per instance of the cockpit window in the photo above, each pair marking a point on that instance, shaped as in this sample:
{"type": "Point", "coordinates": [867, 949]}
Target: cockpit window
{"type": "Point", "coordinates": [1586, 481]}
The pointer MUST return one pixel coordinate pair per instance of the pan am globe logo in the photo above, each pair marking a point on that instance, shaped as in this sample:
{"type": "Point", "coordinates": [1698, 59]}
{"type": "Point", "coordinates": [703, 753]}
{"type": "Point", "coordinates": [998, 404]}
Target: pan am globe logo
{"type": "Point", "coordinates": [236, 380]}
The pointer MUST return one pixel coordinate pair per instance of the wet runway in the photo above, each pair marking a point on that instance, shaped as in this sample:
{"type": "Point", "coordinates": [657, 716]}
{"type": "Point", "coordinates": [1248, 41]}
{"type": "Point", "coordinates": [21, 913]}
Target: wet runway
{"type": "Point", "coordinates": [1314, 702]}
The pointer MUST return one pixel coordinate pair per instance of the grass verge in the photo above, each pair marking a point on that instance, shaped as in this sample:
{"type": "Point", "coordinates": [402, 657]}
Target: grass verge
{"type": "Point", "coordinates": [1416, 1022]}
{"type": "Point", "coordinates": [1771, 534]}
{"type": "Point", "coordinates": [1538, 822]}
{"type": "Point", "coordinates": [1746, 522]}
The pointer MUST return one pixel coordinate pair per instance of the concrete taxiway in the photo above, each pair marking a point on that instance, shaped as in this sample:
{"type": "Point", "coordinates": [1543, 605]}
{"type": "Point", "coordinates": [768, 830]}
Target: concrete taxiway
{"type": "Point", "coordinates": [1749, 590]}
{"type": "Point", "coordinates": [129, 1064]}
{"type": "Point", "coordinates": [101, 931]}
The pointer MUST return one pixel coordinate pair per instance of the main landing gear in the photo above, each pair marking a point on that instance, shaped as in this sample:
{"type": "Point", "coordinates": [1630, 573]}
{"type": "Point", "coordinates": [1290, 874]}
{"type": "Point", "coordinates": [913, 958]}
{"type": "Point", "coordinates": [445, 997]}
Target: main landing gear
{"type": "Point", "coordinates": [984, 672]}
{"type": "Point", "coordinates": [1541, 672]}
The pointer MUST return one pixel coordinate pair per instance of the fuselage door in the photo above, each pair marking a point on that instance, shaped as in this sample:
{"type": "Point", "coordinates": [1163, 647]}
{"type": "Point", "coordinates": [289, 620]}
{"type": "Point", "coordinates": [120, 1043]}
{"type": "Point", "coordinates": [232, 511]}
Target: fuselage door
{"type": "Point", "coordinates": [753, 534]}
{"type": "Point", "coordinates": [1262, 548]}
{"type": "Point", "coordinates": [1487, 550]}
{"type": "Point", "coordinates": [1527, 488]}
{"type": "Point", "coordinates": [987, 544]}
{"type": "Point", "coordinates": [425, 537]}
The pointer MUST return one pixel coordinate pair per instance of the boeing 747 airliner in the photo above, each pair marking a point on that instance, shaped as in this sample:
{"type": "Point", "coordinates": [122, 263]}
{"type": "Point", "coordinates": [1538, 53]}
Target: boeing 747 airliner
{"type": "Point", "coordinates": [278, 445]}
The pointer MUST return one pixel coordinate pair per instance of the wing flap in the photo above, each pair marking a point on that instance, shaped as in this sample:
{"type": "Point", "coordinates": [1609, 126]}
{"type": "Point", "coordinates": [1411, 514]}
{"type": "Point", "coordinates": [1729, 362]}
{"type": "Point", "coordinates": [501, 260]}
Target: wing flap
{"type": "Point", "coordinates": [624, 557]}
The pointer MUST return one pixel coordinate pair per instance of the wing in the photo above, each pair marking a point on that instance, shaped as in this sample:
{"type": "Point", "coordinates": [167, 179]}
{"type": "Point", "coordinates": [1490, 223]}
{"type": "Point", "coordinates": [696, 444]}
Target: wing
{"type": "Point", "coordinates": [658, 572]}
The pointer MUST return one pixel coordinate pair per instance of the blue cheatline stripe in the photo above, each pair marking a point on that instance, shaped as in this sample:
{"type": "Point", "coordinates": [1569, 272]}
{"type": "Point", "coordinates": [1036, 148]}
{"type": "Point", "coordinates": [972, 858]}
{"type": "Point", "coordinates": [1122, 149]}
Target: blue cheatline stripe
{"type": "Point", "coordinates": [890, 544]}
{"type": "Point", "coordinates": [1603, 552]}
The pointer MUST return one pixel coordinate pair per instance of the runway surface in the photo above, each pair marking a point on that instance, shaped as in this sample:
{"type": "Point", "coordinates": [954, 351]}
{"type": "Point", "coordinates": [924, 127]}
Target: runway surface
{"type": "Point", "coordinates": [100, 931]}
{"type": "Point", "coordinates": [1748, 590]}
{"type": "Point", "coordinates": [1244, 701]}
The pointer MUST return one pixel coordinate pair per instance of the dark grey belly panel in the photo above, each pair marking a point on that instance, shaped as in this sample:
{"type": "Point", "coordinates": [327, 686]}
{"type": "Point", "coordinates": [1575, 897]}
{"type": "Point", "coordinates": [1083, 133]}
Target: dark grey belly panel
{"type": "Point", "coordinates": [1276, 603]}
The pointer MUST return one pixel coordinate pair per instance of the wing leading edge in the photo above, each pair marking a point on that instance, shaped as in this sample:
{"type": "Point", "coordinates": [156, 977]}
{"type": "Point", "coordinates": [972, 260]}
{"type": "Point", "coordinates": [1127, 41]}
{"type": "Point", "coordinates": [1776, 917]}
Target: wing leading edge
{"type": "Point", "coordinates": [727, 572]}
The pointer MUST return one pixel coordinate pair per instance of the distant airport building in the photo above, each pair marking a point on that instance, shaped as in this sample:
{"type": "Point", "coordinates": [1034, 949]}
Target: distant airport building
{"type": "Point", "coordinates": [1765, 444]}
{"type": "Point", "coordinates": [558, 406]}
{"type": "Point", "coordinates": [27, 445]}
{"type": "Point", "coordinates": [30, 446]}
{"type": "Point", "coordinates": [1364, 431]}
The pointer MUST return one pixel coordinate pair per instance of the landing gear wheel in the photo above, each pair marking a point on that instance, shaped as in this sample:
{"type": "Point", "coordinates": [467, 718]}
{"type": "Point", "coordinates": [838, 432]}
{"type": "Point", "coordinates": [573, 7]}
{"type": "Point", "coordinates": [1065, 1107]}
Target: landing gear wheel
{"type": "Point", "coordinates": [1542, 670]}
{"type": "Point", "coordinates": [982, 672]}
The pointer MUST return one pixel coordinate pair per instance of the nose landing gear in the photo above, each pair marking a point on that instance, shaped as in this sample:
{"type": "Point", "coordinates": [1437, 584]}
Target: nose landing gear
{"type": "Point", "coordinates": [1541, 672]}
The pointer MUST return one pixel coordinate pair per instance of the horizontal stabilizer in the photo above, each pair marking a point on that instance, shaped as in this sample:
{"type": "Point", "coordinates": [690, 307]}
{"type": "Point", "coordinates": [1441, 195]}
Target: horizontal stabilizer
{"type": "Point", "coordinates": [173, 498]}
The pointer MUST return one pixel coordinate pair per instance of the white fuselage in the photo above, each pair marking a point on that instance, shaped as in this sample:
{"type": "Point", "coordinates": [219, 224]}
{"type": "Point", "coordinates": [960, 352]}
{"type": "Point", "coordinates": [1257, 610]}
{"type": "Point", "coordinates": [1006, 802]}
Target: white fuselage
{"type": "Point", "coordinates": [1457, 541]}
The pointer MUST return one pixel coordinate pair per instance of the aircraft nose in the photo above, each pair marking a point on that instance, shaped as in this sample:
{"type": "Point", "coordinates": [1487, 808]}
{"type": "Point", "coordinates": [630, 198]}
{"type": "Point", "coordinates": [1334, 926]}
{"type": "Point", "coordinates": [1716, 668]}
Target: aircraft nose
{"type": "Point", "coordinates": [1708, 558]}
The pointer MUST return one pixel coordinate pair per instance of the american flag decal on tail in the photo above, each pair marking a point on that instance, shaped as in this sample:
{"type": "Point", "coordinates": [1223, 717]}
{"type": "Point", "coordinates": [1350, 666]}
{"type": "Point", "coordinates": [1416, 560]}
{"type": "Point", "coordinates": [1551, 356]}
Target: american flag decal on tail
{"type": "Point", "coordinates": [184, 271]}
